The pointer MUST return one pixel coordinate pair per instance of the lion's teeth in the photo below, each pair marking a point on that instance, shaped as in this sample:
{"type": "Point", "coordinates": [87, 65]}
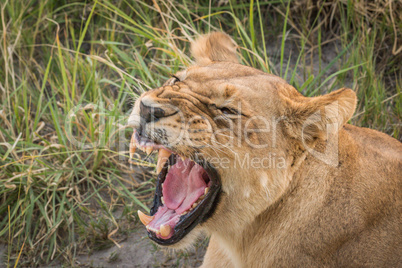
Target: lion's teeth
{"type": "Point", "coordinates": [165, 230]}
{"type": "Point", "coordinates": [163, 156]}
{"type": "Point", "coordinates": [163, 201]}
{"type": "Point", "coordinates": [132, 146]}
{"type": "Point", "coordinates": [194, 205]}
{"type": "Point", "coordinates": [182, 158]}
{"type": "Point", "coordinates": [184, 213]}
{"type": "Point", "coordinates": [206, 191]}
{"type": "Point", "coordinates": [153, 230]}
{"type": "Point", "coordinates": [145, 219]}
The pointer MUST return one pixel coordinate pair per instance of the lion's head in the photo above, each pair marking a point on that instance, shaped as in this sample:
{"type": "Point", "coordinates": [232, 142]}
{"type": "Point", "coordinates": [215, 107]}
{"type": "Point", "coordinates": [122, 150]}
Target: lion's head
{"type": "Point", "coordinates": [229, 139]}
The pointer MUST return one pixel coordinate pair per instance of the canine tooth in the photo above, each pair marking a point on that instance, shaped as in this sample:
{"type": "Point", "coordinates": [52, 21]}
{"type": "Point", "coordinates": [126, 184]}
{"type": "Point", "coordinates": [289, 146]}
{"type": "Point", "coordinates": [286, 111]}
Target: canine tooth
{"type": "Point", "coordinates": [194, 205]}
{"type": "Point", "coordinates": [163, 201]}
{"type": "Point", "coordinates": [165, 230]}
{"type": "Point", "coordinates": [132, 145]}
{"type": "Point", "coordinates": [145, 219]}
{"type": "Point", "coordinates": [182, 158]}
{"type": "Point", "coordinates": [206, 191]}
{"type": "Point", "coordinates": [149, 149]}
{"type": "Point", "coordinates": [184, 213]}
{"type": "Point", "coordinates": [163, 156]}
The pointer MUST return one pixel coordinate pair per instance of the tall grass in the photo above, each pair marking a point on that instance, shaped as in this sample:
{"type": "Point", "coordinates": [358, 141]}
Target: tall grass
{"type": "Point", "coordinates": [85, 63]}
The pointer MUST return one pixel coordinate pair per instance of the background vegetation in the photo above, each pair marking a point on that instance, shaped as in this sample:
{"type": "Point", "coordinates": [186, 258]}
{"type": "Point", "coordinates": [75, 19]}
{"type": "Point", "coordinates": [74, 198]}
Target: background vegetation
{"type": "Point", "coordinates": [87, 62]}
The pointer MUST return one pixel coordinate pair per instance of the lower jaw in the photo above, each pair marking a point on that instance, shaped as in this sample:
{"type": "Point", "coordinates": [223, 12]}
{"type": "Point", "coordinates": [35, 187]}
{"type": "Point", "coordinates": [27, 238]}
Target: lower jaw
{"type": "Point", "coordinates": [194, 218]}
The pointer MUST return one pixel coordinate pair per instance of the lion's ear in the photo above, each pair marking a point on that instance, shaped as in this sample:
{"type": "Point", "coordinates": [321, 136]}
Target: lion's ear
{"type": "Point", "coordinates": [309, 118]}
{"type": "Point", "coordinates": [215, 46]}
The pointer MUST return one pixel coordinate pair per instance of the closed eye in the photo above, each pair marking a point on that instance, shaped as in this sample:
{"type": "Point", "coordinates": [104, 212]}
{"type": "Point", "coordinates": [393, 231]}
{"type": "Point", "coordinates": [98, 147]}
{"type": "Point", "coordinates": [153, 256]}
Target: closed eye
{"type": "Point", "coordinates": [225, 110]}
{"type": "Point", "coordinates": [228, 111]}
{"type": "Point", "coordinates": [175, 79]}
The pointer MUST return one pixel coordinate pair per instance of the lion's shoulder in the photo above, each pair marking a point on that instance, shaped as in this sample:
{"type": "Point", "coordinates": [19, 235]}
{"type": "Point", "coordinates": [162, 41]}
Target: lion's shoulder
{"type": "Point", "coordinates": [375, 141]}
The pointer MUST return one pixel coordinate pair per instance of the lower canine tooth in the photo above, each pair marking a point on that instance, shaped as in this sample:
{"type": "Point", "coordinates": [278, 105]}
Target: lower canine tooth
{"type": "Point", "coordinates": [145, 219]}
{"type": "Point", "coordinates": [165, 230]}
{"type": "Point", "coordinates": [132, 145]}
{"type": "Point", "coordinates": [195, 204]}
{"type": "Point", "coordinates": [163, 202]}
{"type": "Point", "coordinates": [206, 190]}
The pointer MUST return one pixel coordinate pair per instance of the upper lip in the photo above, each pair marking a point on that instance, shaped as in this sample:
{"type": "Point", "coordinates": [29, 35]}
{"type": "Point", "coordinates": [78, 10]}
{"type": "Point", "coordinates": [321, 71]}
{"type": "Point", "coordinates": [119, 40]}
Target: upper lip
{"type": "Point", "coordinates": [149, 146]}
{"type": "Point", "coordinates": [143, 142]}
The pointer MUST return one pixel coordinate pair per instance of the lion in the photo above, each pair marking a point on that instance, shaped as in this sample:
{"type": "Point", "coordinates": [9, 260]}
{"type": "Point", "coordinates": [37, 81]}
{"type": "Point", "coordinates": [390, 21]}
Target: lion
{"type": "Point", "coordinates": [274, 178]}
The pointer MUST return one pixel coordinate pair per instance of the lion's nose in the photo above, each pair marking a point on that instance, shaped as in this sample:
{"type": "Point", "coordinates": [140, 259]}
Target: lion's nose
{"type": "Point", "coordinates": [151, 113]}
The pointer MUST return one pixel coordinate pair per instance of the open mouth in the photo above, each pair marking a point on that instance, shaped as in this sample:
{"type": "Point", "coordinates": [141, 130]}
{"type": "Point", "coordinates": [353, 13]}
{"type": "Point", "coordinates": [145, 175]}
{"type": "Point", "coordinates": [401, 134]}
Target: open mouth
{"type": "Point", "coordinates": [186, 193]}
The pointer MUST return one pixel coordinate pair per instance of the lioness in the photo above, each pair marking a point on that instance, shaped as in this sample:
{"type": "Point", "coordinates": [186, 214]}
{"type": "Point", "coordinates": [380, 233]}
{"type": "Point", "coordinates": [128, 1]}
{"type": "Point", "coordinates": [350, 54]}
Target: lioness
{"type": "Point", "coordinates": [273, 177]}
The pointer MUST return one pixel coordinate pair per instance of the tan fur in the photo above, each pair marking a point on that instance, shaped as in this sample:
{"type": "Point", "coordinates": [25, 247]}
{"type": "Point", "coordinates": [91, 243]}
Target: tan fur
{"type": "Point", "coordinates": [342, 208]}
{"type": "Point", "coordinates": [214, 47]}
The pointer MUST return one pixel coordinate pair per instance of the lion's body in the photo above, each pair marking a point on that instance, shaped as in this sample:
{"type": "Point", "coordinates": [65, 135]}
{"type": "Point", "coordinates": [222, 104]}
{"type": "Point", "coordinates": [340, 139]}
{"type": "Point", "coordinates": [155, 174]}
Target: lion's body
{"type": "Point", "coordinates": [341, 216]}
{"type": "Point", "coordinates": [333, 196]}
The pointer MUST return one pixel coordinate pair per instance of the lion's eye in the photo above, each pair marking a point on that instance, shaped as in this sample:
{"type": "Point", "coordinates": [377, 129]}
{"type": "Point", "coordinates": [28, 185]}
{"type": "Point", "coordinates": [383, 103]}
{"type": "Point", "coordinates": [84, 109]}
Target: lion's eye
{"type": "Point", "coordinates": [227, 111]}
{"type": "Point", "coordinates": [175, 79]}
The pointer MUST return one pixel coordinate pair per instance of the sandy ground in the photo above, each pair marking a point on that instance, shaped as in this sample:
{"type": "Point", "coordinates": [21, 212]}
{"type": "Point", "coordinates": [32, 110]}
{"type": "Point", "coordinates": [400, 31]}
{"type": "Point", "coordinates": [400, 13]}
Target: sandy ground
{"type": "Point", "coordinates": [138, 251]}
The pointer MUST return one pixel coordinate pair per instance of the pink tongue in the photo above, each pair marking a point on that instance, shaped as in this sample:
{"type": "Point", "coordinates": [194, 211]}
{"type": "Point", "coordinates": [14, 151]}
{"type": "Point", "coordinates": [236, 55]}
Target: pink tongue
{"type": "Point", "coordinates": [183, 185]}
